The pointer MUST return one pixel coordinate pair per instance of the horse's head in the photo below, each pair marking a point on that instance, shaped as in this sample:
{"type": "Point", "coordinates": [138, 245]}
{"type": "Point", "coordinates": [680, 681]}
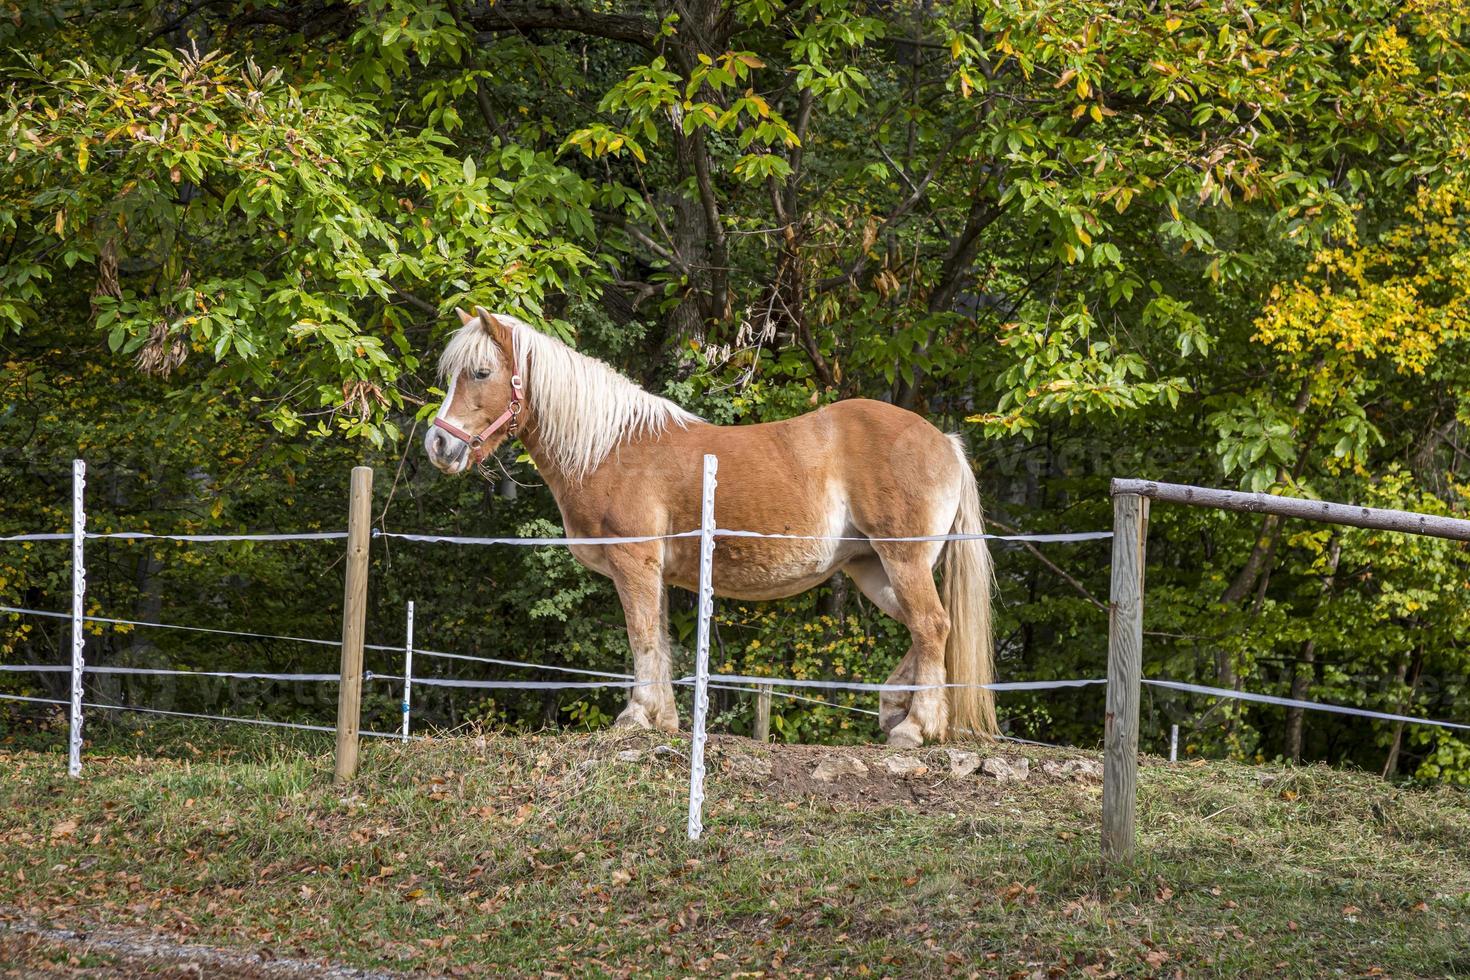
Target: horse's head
{"type": "Point", "coordinates": [484, 399]}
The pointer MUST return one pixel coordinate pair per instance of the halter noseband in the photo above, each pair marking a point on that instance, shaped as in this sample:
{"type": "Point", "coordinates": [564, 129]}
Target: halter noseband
{"type": "Point", "coordinates": [477, 443]}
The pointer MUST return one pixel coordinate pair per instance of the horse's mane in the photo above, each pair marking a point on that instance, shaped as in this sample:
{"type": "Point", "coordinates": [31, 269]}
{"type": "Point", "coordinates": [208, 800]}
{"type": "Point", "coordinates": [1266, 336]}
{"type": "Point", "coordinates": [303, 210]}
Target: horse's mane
{"type": "Point", "coordinates": [583, 408]}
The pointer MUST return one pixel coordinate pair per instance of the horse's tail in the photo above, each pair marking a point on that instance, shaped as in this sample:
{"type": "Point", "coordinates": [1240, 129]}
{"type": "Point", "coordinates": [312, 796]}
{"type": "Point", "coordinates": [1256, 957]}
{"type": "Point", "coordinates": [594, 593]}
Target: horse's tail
{"type": "Point", "coordinates": [969, 654]}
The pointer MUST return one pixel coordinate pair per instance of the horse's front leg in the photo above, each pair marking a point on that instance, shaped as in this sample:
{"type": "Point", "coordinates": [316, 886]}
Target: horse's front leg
{"type": "Point", "coordinates": [645, 607]}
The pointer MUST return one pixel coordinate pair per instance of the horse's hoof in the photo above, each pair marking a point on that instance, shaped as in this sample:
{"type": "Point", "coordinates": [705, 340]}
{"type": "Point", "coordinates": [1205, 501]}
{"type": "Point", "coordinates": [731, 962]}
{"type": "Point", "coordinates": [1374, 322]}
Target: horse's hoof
{"type": "Point", "coordinates": [905, 736]}
{"type": "Point", "coordinates": [890, 719]}
{"type": "Point", "coordinates": [633, 716]}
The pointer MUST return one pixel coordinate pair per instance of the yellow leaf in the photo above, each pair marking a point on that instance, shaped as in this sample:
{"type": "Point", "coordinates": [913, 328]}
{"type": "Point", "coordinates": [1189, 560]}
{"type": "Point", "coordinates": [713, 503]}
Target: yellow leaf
{"type": "Point", "coordinates": [1096, 112]}
{"type": "Point", "coordinates": [83, 155]}
{"type": "Point", "coordinates": [60, 221]}
{"type": "Point", "coordinates": [1084, 89]}
{"type": "Point", "coordinates": [1172, 24]}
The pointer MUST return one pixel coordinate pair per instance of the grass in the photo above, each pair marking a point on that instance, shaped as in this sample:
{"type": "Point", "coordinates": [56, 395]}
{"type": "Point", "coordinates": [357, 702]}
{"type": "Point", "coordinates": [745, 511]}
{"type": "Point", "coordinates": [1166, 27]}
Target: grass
{"type": "Point", "coordinates": [548, 854]}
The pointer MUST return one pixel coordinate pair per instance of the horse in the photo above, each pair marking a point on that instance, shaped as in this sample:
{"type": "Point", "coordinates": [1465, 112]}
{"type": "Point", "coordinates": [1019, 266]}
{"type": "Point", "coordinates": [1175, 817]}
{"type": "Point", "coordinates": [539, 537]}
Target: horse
{"type": "Point", "coordinates": [841, 482]}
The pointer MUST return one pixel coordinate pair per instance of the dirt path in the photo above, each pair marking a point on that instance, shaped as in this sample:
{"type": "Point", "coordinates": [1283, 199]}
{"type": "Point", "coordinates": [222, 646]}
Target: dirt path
{"type": "Point", "coordinates": [28, 949]}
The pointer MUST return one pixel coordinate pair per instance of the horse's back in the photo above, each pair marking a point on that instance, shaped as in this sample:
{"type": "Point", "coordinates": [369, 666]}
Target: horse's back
{"type": "Point", "coordinates": [851, 470]}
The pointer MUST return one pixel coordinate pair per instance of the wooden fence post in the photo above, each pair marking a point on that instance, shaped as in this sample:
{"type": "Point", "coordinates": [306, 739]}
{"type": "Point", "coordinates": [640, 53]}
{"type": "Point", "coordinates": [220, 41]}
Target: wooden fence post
{"type": "Point", "coordinates": [354, 623]}
{"type": "Point", "coordinates": [762, 730]}
{"type": "Point", "coordinates": [1125, 657]}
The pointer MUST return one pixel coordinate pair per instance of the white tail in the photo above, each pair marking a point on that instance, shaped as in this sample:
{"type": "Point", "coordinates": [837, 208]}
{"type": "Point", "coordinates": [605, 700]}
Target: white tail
{"type": "Point", "coordinates": [969, 654]}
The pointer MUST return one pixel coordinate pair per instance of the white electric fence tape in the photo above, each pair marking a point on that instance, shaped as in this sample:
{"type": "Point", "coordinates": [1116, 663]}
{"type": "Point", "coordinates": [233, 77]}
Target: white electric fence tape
{"type": "Point", "coordinates": [534, 542]}
{"type": "Point", "coordinates": [22, 697]}
{"type": "Point", "coordinates": [862, 686]}
{"type": "Point", "coordinates": [515, 663]}
{"type": "Point", "coordinates": [1338, 709]}
{"type": "Point", "coordinates": [1052, 538]}
{"type": "Point", "coordinates": [161, 672]}
{"type": "Point", "coordinates": [731, 533]}
{"type": "Point", "coordinates": [201, 538]}
{"type": "Point", "coordinates": [176, 626]}
{"type": "Point", "coordinates": [499, 685]}
{"type": "Point", "coordinates": [263, 722]}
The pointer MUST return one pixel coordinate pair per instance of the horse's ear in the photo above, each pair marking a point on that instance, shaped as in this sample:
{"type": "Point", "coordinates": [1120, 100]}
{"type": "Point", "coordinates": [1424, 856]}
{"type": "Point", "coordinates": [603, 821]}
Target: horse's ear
{"type": "Point", "coordinates": [464, 318]}
{"type": "Point", "coordinates": [495, 327]}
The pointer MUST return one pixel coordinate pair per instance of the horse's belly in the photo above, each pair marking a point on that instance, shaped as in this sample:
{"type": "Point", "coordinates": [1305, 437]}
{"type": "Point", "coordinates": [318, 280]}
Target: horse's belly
{"type": "Point", "coordinates": [746, 568]}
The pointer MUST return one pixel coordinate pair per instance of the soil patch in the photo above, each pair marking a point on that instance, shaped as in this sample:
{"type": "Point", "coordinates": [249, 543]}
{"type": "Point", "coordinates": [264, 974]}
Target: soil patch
{"type": "Point", "coordinates": [28, 949]}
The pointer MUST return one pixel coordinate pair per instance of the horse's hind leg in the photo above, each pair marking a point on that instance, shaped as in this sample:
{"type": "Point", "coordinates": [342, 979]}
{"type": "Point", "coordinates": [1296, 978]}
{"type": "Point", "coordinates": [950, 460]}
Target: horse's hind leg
{"type": "Point", "coordinates": [909, 570]}
{"type": "Point", "coordinates": [645, 607]}
{"type": "Point", "coordinates": [872, 579]}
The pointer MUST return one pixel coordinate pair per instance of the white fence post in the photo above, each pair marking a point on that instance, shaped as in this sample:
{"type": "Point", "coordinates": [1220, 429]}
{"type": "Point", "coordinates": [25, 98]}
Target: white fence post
{"type": "Point", "coordinates": [78, 610]}
{"type": "Point", "coordinates": [1174, 743]}
{"type": "Point", "coordinates": [701, 648]}
{"type": "Point", "coordinates": [408, 670]}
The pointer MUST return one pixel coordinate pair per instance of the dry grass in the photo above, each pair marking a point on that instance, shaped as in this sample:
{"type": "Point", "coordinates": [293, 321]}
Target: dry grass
{"type": "Point", "coordinates": [549, 854]}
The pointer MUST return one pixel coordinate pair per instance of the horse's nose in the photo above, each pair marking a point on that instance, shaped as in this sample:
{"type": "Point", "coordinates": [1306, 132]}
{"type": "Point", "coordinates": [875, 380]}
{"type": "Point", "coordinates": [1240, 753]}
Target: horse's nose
{"type": "Point", "coordinates": [443, 450]}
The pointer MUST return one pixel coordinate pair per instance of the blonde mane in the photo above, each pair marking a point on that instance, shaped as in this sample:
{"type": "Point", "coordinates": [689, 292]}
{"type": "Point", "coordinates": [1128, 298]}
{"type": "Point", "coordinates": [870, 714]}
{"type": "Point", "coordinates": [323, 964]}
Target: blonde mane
{"type": "Point", "coordinates": [583, 409]}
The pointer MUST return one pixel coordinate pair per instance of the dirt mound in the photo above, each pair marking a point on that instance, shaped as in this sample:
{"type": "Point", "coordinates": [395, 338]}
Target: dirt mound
{"type": "Point", "coordinates": [864, 775]}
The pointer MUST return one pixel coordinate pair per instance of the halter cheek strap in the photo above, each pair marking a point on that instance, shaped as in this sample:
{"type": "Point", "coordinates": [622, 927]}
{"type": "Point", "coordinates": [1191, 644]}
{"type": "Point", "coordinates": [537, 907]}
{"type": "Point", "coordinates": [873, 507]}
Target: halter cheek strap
{"type": "Point", "coordinates": [477, 442]}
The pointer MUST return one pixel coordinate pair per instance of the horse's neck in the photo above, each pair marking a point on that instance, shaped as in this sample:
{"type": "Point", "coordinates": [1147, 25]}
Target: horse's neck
{"type": "Point", "coordinates": [546, 464]}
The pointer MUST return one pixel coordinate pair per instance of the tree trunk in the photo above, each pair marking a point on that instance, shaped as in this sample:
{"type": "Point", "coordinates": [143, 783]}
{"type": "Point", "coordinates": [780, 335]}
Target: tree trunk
{"type": "Point", "coordinates": [1391, 763]}
{"type": "Point", "coordinates": [1302, 672]}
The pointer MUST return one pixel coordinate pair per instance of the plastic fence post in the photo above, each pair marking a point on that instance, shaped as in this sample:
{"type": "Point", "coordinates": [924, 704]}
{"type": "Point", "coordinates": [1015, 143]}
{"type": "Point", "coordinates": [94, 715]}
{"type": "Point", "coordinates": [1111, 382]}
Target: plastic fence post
{"type": "Point", "coordinates": [78, 611]}
{"type": "Point", "coordinates": [701, 648]}
{"type": "Point", "coordinates": [408, 670]}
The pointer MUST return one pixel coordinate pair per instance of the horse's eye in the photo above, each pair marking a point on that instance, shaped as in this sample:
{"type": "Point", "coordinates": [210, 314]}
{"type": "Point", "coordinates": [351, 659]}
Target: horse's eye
{"type": "Point", "coordinates": [482, 374]}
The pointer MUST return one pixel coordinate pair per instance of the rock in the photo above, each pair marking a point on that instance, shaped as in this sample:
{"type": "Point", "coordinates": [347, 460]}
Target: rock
{"type": "Point", "coordinates": [1006, 770]}
{"type": "Point", "coordinates": [668, 750]}
{"type": "Point", "coordinates": [838, 766]}
{"type": "Point", "coordinates": [962, 763]}
{"type": "Point", "coordinates": [905, 766]}
{"type": "Point", "coordinates": [753, 767]}
{"type": "Point", "coordinates": [1078, 770]}
{"type": "Point", "coordinates": [630, 755]}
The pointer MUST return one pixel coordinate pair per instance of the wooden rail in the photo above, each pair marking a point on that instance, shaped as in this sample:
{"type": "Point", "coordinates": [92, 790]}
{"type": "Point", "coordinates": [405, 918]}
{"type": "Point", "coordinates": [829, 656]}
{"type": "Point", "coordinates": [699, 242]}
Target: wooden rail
{"type": "Point", "coordinates": [1308, 510]}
